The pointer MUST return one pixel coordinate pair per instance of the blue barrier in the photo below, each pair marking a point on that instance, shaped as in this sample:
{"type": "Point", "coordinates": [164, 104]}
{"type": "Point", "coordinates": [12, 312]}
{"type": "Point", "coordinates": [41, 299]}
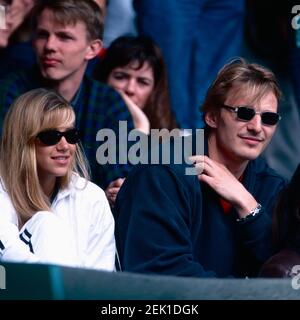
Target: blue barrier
{"type": "Point", "coordinates": [43, 282]}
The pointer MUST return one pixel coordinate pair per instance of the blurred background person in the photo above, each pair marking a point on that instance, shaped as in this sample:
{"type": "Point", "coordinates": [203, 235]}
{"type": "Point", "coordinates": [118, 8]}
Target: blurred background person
{"type": "Point", "coordinates": [286, 233]}
{"type": "Point", "coordinates": [134, 66]}
{"type": "Point", "coordinates": [15, 40]}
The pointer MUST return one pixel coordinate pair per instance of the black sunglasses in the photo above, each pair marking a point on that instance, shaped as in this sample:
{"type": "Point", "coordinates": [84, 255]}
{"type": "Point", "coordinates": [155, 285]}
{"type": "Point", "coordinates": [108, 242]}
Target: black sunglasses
{"type": "Point", "coordinates": [52, 137]}
{"type": "Point", "coordinates": [246, 114]}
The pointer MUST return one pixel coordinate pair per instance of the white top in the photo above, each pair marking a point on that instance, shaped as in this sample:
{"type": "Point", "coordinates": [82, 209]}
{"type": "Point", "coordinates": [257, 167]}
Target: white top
{"type": "Point", "coordinates": [82, 236]}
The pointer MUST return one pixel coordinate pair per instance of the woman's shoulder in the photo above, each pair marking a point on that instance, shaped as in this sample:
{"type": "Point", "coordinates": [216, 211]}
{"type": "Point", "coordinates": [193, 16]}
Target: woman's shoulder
{"type": "Point", "coordinates": [86, 188]}
{"type": "Point", "coordinates": [4, 196]}
{"type": "Point", "coordinates": [7, 209]}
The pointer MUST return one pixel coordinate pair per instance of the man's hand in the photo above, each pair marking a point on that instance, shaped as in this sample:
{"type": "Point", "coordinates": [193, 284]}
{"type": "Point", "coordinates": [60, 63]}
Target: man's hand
{"type": "Point", "coordinates": [220, 179]}
{"type": "Point", "coordinates": [112, 190]}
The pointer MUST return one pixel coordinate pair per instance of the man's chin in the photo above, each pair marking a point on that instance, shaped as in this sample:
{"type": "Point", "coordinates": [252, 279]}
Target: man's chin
{"type": "Point", "coordinates": [251, 155]}
{"type": "Point", "coordinates": [51, 76]}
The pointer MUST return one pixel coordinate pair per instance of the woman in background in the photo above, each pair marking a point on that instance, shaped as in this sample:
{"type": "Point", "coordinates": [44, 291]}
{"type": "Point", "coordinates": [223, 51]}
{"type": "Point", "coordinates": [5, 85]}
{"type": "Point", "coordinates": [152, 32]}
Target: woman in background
{"type": "Point", "coordinates": [134, 66]}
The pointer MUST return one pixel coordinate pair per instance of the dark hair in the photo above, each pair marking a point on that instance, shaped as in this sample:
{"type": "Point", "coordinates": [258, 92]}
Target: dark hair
{"type": "Point", "coordinates": [127, 49]}
{"type": "Point", "coordinates": [286, 218]}
{"type": "Point", "coordinates": [240, 74]}
{"type": "Point", "coordinates": [71, 11]}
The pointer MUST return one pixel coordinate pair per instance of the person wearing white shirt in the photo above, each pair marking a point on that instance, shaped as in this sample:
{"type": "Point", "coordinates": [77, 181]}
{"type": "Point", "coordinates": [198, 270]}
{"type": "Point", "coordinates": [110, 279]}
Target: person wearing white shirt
{"type": "Point", "coordinates": [50, 211]}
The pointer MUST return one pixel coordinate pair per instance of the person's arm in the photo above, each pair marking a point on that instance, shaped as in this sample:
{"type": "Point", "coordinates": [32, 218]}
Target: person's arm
{"type": "Point", "coordinates": [112, 190]}
{"type": "Point", "coordinates": [254, 230]}
{"type": "Point", "coordinates": [155, 211]}
{"type": "Point", "coordinates": [140, 120]}
{"type": "Point", "coordinates": [255, 233]}
{"type": "Point", "coordinates": [225, 184]}
{"type": "Point", "coordinates": [101, 249]}
{"type": "Point", "coordinates": [11, 247]}
{"type": "Point", "coordinates": [44, 238]}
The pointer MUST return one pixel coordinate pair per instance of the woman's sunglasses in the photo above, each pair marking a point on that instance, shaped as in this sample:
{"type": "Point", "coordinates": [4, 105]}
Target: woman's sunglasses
{"type": "Point", "coordinates": [52, 137]}
{"type": "Point", "coordinates": [246, 114]}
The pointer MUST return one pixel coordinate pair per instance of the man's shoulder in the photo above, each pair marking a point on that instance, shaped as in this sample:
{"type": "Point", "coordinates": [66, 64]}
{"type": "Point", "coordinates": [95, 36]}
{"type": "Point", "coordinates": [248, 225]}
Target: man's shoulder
{"type": "Point", "coordinates": [262, 168]}
{"type": "Point", "coordinates": [11, 87]}
{"type": "Point", "coordinates": [165, 173]}
{"type": "Point", "coordinates": [11, 83]}
{"type": "Point", "coordinates": [86, 188]}
{"type": "Point", "coordinates": [99, 97]}
{"type": "Point", "coordinates": [22, 78]}
{"type": "Point", "coordinates": [98, 89]}
{"type": "Point", "coordinates": [14, 84]}
{"type": "Point", "coordinates": [171, 154]}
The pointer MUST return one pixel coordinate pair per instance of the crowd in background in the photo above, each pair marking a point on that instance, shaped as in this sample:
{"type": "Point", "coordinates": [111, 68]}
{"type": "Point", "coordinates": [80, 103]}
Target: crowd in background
{"type": "Point", "coordinates": [156, 65]}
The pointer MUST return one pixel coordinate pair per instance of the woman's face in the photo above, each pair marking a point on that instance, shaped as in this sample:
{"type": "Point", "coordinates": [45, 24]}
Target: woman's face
{"type": "Point", "coordinates": [54, 160]}
{"type": "Point", "coordinates": [137, 84]}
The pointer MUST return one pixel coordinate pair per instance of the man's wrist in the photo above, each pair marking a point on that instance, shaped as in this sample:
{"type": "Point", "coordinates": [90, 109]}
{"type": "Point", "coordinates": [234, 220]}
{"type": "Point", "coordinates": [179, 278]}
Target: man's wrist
{"type": "Point", "coordinates": [254, 212]}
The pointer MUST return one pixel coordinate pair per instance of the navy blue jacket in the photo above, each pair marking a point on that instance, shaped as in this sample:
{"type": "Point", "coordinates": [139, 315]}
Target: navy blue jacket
{"type": "Point", "coordinates": [169, 223]}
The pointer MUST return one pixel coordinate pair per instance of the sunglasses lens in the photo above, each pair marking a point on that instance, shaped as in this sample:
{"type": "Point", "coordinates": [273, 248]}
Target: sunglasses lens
{"type": "Point", "coordinates": [245, 113]}
{"type": "Point", "coordinates": [50, 137]}
{"type": "Point", "coordinates": [270, 118]}
{"type": "Point", "coordinates": [72, 136]}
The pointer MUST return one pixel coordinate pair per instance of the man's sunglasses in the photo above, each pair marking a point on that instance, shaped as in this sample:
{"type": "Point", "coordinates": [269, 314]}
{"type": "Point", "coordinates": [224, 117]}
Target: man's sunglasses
{"type": "Point", "coordinates": [246, 114]}
{"type": "Point", "coordinates": [52, 137]}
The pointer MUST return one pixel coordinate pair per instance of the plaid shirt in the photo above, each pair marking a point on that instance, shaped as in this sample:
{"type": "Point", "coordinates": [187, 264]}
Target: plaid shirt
{"type": "Point", "coordinates": [97, 106]}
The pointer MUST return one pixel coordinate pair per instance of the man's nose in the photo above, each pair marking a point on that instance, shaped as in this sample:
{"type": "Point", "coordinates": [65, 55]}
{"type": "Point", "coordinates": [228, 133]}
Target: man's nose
{"type": "Point", "coordinates": [255, 123]}
{"type": "Point", "coordinates": [50, 43]}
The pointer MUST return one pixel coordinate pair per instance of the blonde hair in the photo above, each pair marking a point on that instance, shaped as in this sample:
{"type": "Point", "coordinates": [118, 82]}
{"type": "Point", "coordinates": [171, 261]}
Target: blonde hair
{"type": "Point", "coordinates": [31, 113]}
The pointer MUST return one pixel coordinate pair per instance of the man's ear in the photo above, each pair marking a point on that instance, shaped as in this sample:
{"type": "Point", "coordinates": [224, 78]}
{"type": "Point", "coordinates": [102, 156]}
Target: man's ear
{"type": "Point", "coordinates": [94, 48]}
{"type": "Point", "coordinates": [211, 119]}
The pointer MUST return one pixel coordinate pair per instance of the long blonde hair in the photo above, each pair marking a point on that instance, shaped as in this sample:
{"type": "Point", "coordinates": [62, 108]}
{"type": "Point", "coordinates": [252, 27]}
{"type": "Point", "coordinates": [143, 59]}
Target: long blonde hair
{"type": "Point", "coordinates": [31, 113]}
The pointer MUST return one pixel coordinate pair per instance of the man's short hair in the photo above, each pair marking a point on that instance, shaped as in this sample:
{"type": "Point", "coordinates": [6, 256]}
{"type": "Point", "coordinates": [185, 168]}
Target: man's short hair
{"type": "Point", "coordinates": [72, 11]}
{"type": "Point", "coordinates": [254, 80]}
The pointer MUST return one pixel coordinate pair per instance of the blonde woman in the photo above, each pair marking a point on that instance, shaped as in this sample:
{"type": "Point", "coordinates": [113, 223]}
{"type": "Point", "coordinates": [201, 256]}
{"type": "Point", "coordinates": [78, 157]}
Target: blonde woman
{"type": "Point", "coordinates": [50, 211]}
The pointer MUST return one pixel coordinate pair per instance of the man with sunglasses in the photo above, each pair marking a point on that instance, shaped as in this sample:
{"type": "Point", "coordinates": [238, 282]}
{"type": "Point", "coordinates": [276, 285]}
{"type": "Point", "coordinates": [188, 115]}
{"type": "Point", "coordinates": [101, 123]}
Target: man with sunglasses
{"type": "Point", "coordinates": [217, 222]}
{"type": "Point", "coordinates": [67, 35]}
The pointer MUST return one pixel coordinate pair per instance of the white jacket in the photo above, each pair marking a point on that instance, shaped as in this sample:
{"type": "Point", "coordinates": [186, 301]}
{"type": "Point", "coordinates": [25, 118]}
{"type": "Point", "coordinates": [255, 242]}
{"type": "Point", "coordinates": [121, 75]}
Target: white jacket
{"type": "Point", "coordinates": [85, 220]}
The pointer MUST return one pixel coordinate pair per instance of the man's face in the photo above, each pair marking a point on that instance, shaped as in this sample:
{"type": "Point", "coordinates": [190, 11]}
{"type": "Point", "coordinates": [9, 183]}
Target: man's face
{"type": "Point", "coordinates": [63, 51]}
{"type": "Point", "coordinates": [238, 140]}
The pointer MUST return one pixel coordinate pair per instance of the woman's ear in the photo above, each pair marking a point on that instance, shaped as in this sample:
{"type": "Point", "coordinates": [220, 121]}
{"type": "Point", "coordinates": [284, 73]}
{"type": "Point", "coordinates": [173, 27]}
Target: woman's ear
{"type": "Point", "coordinates": [211, 119]}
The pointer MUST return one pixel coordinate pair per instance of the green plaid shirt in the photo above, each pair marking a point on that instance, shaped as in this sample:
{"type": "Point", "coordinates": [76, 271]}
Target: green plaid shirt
{"type": "Point", "coordinates": [97, 106]}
